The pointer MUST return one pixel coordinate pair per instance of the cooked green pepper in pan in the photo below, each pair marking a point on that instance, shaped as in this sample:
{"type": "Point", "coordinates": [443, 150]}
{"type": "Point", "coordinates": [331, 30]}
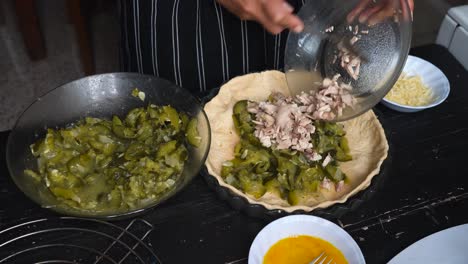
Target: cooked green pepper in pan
{"type": "Point", "coordinates": [117, 164]}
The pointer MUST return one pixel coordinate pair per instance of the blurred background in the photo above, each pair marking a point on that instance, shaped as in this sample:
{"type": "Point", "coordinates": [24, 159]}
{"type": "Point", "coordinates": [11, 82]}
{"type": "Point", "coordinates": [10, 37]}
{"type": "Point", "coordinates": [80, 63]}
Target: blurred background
{"type": "Point", "coordinates": [45, 43]}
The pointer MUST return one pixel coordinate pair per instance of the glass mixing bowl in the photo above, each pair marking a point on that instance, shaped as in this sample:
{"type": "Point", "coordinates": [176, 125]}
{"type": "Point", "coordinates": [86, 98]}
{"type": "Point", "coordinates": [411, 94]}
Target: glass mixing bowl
{"type": "Point", "coordinates": [99, 96]}
{"type": "Point", "coordinates": [311, 55]}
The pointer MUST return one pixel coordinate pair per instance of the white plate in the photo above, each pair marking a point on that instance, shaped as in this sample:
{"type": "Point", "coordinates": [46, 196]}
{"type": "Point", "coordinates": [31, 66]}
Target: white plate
{"type": "Point", "coordinates": [304, 225]}
{"type": "Point", "coordinates": [449, 246]}
{"type": "Point", "coordinates": [431, 76]}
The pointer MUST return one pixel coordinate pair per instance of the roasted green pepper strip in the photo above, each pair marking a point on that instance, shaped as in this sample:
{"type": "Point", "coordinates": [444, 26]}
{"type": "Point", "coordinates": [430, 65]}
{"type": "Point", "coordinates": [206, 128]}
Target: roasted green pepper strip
{"type": "Point", "coordinates": [118, 164]}
{"type": "Point", "coordinates": [251, 186]}
{"type": "Point", "coordinates": [172, 116]}
{"type": "Point", "coordinates": [193, 137]}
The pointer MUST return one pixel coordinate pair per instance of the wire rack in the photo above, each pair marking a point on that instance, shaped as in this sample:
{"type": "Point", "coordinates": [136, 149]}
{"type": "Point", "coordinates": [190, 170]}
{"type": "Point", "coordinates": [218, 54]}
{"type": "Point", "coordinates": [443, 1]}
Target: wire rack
{"type": "Point", "coordinates": [76, 240]}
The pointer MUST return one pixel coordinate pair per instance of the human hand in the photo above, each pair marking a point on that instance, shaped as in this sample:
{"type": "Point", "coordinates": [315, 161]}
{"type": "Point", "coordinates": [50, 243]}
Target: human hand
{"type": "Point", "coordinates": [373, 13]}
{"type": "Point", "coordinates": [274, 15]}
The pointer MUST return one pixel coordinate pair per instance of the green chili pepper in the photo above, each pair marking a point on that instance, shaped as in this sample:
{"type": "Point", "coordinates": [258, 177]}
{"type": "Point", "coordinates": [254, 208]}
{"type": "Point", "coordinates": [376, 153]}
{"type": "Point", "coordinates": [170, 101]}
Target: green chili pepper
{"type": "Point", "coordinates": [193, 137]}
{"type": "Point", "coordinates": [102, 165]}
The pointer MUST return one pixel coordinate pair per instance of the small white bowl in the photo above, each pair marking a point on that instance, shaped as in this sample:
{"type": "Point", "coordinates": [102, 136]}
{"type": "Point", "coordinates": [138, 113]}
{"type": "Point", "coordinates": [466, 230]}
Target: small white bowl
{"type": "Point", "coordinates": [296, 225]}
{"type": "Point", "coordinates": [431, 76]}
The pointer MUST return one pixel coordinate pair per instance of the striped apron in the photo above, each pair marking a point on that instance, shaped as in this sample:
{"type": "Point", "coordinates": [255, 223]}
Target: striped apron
{"type": "Point", "coordinates": [196, 44]}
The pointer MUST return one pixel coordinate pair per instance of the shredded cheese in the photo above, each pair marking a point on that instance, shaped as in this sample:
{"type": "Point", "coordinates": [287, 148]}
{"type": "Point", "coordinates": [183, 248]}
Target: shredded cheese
{"type": "Point", "coordinates": [410, 91]}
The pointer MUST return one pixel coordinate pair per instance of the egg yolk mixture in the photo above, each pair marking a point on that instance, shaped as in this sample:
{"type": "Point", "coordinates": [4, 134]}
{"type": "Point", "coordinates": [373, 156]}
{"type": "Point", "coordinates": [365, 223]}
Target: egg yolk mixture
{"type": "Point", "coordinates": [302, 250]}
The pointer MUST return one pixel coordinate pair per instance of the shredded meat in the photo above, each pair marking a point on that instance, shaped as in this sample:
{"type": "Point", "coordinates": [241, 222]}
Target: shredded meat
{"type": "Point", "coordinates": [339, 186]}
{"type": "Point", "coordinates": [326, 184]}
{"type": "Point", "coordinates": [287, 122]}
{"type": "Point", "coordinates": [312, 155]}
{"type": "Point", "coordinates": [282, 123]}
{"type": "Point", "coordinates": [328, 102]}
{"type": "Point", "coordinates": [349, 61]}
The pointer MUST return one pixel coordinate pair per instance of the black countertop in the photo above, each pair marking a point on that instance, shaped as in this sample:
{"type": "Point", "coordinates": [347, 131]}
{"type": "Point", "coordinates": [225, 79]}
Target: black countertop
{"type": "Point", "coordinates": [424, 191]}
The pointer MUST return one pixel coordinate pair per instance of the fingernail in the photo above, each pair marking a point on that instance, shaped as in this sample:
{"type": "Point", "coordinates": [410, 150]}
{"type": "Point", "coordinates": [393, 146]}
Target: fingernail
{"type": "Point", "coordinates": [288, 7]}
{"type": "Point", "coordinates": [298, 28]}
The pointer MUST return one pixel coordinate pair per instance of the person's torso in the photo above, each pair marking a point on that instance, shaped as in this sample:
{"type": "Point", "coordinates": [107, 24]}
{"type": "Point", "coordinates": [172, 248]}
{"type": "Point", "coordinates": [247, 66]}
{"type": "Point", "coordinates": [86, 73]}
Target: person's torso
{"type": "Point", "coordinates": [196, 44]}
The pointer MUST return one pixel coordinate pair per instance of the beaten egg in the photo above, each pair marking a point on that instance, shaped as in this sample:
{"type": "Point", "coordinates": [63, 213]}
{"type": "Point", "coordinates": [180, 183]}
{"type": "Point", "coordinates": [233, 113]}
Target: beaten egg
{"type": "Point", "coordinates": [302, 250]}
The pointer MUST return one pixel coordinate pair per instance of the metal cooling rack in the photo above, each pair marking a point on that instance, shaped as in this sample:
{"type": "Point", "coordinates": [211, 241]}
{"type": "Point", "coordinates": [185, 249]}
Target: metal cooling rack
{"type": "Point", "coordinates": [76, 240]}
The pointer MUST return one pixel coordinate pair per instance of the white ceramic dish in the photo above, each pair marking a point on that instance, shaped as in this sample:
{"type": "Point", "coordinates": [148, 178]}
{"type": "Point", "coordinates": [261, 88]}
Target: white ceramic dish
{"type": "Point", "coordinates": [431, 76]}
{"type": "Point", "coordinates": [447, 246]}
{"type": "Point", "coordinates": [295, 225]}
